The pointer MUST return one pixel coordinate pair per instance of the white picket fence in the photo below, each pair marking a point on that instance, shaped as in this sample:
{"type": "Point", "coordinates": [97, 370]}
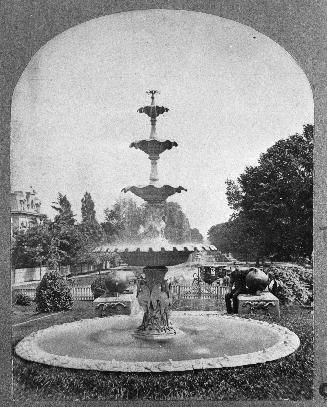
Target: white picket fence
{"type": "Point", "coordinates": [82, 293]}
{"type": "Point", "coordinates": [179, 291]}
{"type": "Point", "coordinates": [200, 290]}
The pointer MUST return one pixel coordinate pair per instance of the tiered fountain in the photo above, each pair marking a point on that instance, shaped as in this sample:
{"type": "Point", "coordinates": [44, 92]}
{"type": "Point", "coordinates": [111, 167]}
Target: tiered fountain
{"type": "Point", "coordinates": [205, 340]}
{"type": "Point", "coordinates": [154, 253]}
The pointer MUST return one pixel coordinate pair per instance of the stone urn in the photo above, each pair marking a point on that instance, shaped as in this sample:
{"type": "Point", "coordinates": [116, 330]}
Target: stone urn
{"type": "Point", "coordinates": [117, 282]}
{"type": "Point", "coordinates": [256, 280]}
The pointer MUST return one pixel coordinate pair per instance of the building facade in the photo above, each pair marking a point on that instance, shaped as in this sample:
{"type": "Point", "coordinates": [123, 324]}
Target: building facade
{"type": "Point", "coordinates": [25, 210]}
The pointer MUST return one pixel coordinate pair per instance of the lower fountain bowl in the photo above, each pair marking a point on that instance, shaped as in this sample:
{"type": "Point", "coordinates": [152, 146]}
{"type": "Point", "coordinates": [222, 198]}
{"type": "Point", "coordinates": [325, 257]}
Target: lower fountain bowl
{"type": "Point", "coordinates": [156, 253]}
{"type": "Point", "coordinates": [207, 340]}
{"type": "Point", "coordinates": [154, 259]}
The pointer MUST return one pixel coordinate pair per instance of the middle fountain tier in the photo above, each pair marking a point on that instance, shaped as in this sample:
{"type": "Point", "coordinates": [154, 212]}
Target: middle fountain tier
{"type": "Point", "coordinates": [154, 252]}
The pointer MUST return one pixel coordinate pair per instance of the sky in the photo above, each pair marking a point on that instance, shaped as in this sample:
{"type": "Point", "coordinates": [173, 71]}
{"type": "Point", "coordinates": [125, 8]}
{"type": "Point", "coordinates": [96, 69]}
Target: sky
{"type": "Point", "coordinates": [232, 93]}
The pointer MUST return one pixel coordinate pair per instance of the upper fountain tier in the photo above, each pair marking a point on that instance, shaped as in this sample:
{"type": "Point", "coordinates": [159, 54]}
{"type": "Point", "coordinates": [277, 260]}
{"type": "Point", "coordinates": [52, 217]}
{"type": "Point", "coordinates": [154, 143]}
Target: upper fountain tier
{"type": "Point", "coordinates": [153, 147]}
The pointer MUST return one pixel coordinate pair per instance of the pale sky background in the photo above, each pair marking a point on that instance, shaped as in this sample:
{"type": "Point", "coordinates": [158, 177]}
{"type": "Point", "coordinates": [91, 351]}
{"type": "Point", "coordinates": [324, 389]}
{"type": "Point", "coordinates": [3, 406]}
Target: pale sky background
{"type": "Point", "coordinates": [231, 91]}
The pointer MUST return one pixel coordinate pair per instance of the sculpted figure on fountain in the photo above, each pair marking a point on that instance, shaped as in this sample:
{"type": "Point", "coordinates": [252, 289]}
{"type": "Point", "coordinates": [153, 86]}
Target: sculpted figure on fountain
{"type": "Point", "coordinates": [154, 296]}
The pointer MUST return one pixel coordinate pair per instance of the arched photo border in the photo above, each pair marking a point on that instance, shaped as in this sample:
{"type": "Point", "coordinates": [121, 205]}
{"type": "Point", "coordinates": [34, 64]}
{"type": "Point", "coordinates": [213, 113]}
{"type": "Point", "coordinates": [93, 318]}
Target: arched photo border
{"type": "Point", "coordinates": [299, 26]}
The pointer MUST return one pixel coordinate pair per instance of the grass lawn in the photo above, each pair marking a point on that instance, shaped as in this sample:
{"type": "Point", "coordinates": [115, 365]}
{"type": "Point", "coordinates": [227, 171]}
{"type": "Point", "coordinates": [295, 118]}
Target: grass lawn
{"type": "Point", "coordinates": [287, 378]}
{"type": "Point", "coordinates": [40, 320]}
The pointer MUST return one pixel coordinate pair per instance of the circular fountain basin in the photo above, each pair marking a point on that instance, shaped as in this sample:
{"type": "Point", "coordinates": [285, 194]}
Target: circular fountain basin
{"type": "Point", "coordinates": [205, 340]}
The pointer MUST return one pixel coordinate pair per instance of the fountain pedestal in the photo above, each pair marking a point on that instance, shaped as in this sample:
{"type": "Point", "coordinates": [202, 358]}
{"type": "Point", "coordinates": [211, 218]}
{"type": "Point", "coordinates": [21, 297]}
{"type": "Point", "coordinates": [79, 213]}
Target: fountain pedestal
{"type": "Point", "coordinates": [155, 299]}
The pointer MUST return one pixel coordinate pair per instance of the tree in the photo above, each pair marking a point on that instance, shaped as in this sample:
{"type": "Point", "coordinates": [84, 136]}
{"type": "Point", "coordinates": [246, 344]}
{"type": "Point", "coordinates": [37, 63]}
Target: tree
{"type": "Point", "coordinates": [237, 236]}
{"type": "Point", "coordinates": [221, 236]}
{"type": "Point", "coordinates": [66, 238]}
{"type": "Point", "coordinates": [275, 197]}
{"type": "Point", "coordinates": [31, 246]}
{"type": "Point", "coordinates": [66, 245]}
{"type": "Point", "coordinates": [89, 227]}
{"type": "Point", "coordinates": [52, 243]}
{"type": "Point", "coordinates": [177, 225]}
{"type": "Point", "coordinates": [88, 211]}
{"type": "Point", "coordinates": [196, 236]}
{"type": "Point", "coordinates": [123, 221]}
{"type": "Point", "coordinates": [65, 214]}
{"type": "Point", "coordinates": [111, 225]}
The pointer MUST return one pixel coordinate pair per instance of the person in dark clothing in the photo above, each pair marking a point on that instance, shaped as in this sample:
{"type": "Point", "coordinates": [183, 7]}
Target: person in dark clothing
{"type": "Point", "coordinates": [237, 286]}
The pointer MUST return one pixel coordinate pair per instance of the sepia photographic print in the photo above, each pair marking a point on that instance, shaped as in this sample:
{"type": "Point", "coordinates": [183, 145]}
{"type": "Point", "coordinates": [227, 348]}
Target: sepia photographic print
{"type": "Point", "coordinates": [164, 210]}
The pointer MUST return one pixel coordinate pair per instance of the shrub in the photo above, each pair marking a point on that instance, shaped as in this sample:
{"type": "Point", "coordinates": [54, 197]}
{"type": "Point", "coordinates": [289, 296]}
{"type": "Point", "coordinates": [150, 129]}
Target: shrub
{"type": "Point", "coordinates": [53, 293]}
{"type": "Point", "coordinates": [23, 299]}
{"type": "Point", "coordinates": [98, 287]}
{"type": "Point", "coordinates": [290, 284]}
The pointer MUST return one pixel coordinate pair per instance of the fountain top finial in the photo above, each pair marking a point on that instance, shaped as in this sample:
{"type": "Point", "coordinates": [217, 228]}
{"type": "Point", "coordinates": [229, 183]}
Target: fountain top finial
{"type": "Point", "coordinates": [153, 111]}
{"type": "Point", "coordinates": [152, 93]}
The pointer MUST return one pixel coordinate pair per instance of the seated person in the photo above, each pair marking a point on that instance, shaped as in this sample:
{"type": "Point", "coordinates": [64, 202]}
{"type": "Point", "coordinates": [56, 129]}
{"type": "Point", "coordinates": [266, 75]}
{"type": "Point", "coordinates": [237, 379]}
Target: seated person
{"type": "Point", "coordinates": [237, 286]}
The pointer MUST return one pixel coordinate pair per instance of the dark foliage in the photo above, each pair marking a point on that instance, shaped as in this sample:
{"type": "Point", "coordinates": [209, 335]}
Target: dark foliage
{"type": "Point", "coordinates": [238, 236]}
{"type": "Point", "coordinates": [272, 204]}
{"type": "Point", "coordinates": [196, 236]}
{"type": "Point", "coordinates": [98, 287]}
{"type": "Point", "coordinates": [88, 211]}
{"type": "Point", "coordinates": [31, 247]}
{"type": "Point", "coordinates": [89, 227]}
{"type": "Point", "coordinates": [125, 220]}
{"type": "Point", "coordinates": [65, 214]}
{"type": "Point", "coordinates": [22, 299]}
{"type": "Point", "coordinates": [122, 221]}
{"type": "Point", "coordinates": [177, 224]}
{"type": "Point", "coordinates": [53, 293]}
{"type": "Point", "coordinates": [53, 243]}
{"type": "Point", "coordinates": [292, 283]}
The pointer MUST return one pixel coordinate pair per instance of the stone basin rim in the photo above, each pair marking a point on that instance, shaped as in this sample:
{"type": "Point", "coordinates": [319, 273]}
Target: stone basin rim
{"type": "Point", "coordinates": [157, 248]}
{"type": "Point", "coordinates": [28, 349]}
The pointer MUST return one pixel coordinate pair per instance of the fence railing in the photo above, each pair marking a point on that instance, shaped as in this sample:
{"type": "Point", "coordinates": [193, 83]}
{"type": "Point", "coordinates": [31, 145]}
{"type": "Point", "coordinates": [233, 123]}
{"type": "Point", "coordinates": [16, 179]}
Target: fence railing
{"type": "Point", "coordinates": [82, 293]}
{"type": "Point", "coordinates": [179, 291]}
{"type": "Point", "coordinates": [200, 290]}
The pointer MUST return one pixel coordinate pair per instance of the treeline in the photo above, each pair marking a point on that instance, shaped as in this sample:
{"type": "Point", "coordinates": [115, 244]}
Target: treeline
{"type": "Point", "coordinates": [63, 241]}
{"type": "Point", "coordinates": [124, 220]}
{"type": "Point", "coordinates": [272, 204]}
